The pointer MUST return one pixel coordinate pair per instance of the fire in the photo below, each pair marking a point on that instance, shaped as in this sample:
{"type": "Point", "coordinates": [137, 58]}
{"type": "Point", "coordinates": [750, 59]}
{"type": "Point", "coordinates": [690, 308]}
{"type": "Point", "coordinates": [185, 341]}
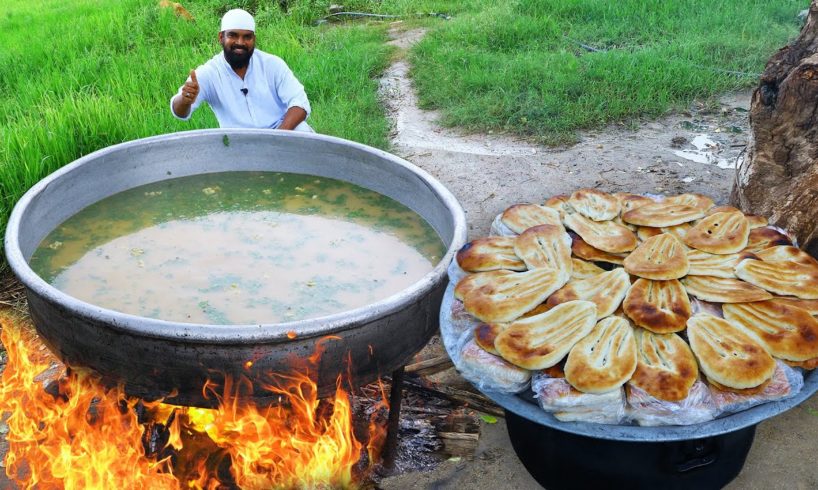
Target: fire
{"type": "Point", "coordinates": [66, 430]}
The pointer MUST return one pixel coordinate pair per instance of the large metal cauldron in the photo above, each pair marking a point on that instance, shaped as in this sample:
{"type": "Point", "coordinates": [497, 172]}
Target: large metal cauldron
{"type": "Point", "coordinates": [156, 358]}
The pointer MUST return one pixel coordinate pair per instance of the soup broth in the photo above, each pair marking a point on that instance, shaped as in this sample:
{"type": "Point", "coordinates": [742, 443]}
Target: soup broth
{"type": "Point", "coordinates": [239, 248]}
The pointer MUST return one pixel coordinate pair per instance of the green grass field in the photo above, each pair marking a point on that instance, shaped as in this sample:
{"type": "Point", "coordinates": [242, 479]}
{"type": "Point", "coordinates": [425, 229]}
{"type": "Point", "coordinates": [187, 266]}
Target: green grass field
{"type": "Point", "coordinates": [80, 75]}
{"type": "Point", "coordinates": [520, 66]}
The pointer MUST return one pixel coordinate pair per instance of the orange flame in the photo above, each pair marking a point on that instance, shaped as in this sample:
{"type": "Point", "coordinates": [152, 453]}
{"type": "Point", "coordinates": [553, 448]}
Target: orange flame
{"type": "Point", "coordinates": [68, 431]}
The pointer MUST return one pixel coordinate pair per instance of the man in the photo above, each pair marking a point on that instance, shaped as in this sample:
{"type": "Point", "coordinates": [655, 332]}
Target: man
{"type": "Point", "coordinates": [244, 87]}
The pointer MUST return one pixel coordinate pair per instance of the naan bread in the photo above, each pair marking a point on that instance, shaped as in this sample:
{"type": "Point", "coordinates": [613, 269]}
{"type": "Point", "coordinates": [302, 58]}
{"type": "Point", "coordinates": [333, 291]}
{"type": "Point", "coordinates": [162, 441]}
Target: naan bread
{"type": "Point", "coordinates": [605, 235]}
{"type": "Point", "coordinates": [719, 233]}
{"type": "Point", "coordinates": [560, 204]}
{"type": "Point", "coordinates": [606, 291]}
{"type": "Point", "coordinates": [797, 277]}
{"type": "Point", "coordinates": [475, 281]}
{"type": "Point", "coordinates": [666, 368]}
{"type": "Point", "coordinates": [604, 359]}
{"type": "Point", "coordinates": [662, 214]}
{"type": "Point", "coordinates": [707, 264]}
{"type": "Point", "coordinates": [723, 290]}
{"type": "Point", "coordinates": [545, 246]}
{"type": "Point", "coordinates": [763, 238]}
{"type": "Point", "coordinates": [756, 221]}
{"type": "Point", "coordinates": [693, 200]}
{"type": "Point", "coordinates": [486, 333]}
{"type": "Point", "coordinates": [787, 332]}
{"type": "Point", "coordinates": [645, 232]}
{"type": "Point", "coordinates": [521, 217]}
{"type": "Point", "coordinates": [488, 254]}
{"type": "Point", "coordinates": [628, 201]}
{"type": "Point", "coordinates": [787, 253]}
{"type": "Point", "coordinates": [723, 209]}
{"type": "Point", "coordinates": [662, 257]}
{"type": "Point", "coordinates": [584, 251]}
{"type": "Point", "coordinates": [728, 355]}
{"type": "Point", "coordinates": [541, 341]}
{"type": "Point", "coordinates": [678, 231]}
{"type": "Point", "coordinates": [584, 270]}
{"type": "Point", "coordinates": [659, 306]}
{"type": "Point", "coordinates": [811, 305]}
{"type": "Point", "coordinates": [595, 204]}
{"type": "Point", "coordinates": [507, 297]}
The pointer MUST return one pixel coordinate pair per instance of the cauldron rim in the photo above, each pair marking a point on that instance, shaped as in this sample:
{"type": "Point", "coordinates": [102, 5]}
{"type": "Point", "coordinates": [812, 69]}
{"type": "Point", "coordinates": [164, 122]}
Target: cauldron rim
{"type": "Point", "coordinates": [235, 334]}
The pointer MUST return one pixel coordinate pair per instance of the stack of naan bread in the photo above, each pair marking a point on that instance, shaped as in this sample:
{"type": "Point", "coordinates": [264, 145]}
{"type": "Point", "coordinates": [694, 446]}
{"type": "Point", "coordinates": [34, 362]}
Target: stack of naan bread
{"type": "Point", "coordinates": [612, 290]}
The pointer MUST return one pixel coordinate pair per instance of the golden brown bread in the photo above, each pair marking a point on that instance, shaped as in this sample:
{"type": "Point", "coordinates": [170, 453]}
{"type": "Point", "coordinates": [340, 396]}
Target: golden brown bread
{"type": "Point", "coordinates": [606, 291]}
{"type": "Point", "coordinates": [604, 359]}
{"type": "Point", "coordinates": [645, 232]}
{"type": "Point", "coordinates": [475, 281]}
{"type": "Point", "coordinates": [746, 391]}
{"type": "Point", "coordinates": [723, 209]}
{"type": "Point", "coordinates": [488, 254]}
{"type": "Point", "coordinates": [560, 204]}
{"type": "Point", "coordinates": [658, 306]}
{"type": "Point", "coordinates": [628, 201]}
{"type": "Point", "coordinates": [811, 305]}
{"type": "Point", "coordinates": [707, 264]}
{"type": "Point", "coordinates": [727, 354]}
{"type": "Point", "coordinates": [584, 251]}
{"type": "Point", "coordinates": [604, 235]}
{"type": "Point", "coordinates": [662, 214]}
{"type": "Point", "coordinates": [765, 237]}
{"type": "Point", "coordinates": [787, 253]}
{"type": "Point", "coordinates": [486, 333]}
{"type": "Point", "coordinates": [811, 364]}
{"type": "Point", "coordinates": [665, 368]}
{"type": "Point", "coordinates": [693, 200]}
{"type": "Point", "coordinates": [505, 298]}
{"type": "Point", "coordinates": [787, 332]}
{"type": "Point", "coordinates": [545, 246]}
{"type": "Point", "coordinates": [521, 217]}
{"type": "Point", "coordinates": [756, 221]}
{"type": "Point", "coordinates": [719, 233]}
{"type": "Point", "coordinates": [678, 231]}
{"type": "Point", "coordinates": [723, 289]}
{"type": "Point", "coordinates": [541, 341]}
{"type": "Point", "coordinates": [785, 277]}
{"type": "Point", "coordinates": [584, 270]}
{"type": "Point", "coordinates": [661, 257]}
{"type": "Point", "coordinates": [594, 204]}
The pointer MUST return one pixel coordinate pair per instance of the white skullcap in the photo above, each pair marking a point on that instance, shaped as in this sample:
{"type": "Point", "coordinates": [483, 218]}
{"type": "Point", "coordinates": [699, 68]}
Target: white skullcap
{"type": "Point", "coordinates": [238, 19]}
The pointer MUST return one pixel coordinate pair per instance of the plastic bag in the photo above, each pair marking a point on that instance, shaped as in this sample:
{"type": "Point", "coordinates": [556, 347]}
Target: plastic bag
{"type": "Point", "coordinates": [647, 410]}
{"type": "Point", "coordinates": [570, 405]}
{"type": "Point", "coordinates": [498, 228]}
{"type": "Point", "coordinates": [786, 382]}
{"type": "Point", "coordinates": [489, 372]}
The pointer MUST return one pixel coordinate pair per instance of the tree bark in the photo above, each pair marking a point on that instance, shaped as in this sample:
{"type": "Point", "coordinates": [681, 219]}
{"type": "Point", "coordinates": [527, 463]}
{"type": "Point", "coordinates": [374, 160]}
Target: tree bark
{"type": "Point", "coordinates": [778, 178]}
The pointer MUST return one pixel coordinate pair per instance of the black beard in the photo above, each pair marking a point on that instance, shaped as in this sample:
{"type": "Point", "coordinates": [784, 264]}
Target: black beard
{"type": "Point", "coordinates": [238, 61]}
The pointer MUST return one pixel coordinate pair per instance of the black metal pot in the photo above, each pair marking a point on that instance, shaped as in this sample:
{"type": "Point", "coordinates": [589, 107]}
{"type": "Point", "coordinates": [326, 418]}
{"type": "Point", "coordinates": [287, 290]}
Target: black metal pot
{"type": "Point", "coordinates": [561, 460]}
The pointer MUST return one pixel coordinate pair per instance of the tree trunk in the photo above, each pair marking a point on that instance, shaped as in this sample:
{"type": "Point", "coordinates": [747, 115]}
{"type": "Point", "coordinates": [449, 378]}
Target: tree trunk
{"type": "Point", "coordinates": [779, 175]}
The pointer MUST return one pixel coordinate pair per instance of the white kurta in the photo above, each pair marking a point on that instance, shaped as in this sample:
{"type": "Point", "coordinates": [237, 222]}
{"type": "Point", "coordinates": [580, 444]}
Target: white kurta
{"type": "Point", "coordinates": [271, 89]}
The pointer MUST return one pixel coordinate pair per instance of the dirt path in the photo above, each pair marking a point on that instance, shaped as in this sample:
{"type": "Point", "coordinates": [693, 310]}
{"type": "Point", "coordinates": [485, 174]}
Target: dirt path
{"type": "Point", "coordinates": [692, 151]}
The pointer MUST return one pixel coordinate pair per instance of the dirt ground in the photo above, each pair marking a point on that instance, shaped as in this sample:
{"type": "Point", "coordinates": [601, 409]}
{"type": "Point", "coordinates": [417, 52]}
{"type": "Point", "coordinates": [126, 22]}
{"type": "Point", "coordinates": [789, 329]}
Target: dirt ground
{"type": "Point", "coordinates": [692, 151]}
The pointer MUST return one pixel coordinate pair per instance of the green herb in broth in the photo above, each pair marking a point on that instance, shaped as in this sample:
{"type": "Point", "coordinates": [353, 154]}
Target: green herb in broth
{"type": "Point", "coordinates": [239, 247]}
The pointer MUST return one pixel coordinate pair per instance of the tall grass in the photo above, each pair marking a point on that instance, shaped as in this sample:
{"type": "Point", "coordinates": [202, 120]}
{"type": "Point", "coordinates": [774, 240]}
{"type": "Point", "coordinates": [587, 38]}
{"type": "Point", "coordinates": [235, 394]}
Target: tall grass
{"type": "Point", "coordinates": [81, 75]}
{"type": "Point", "coordinates": [546, 68]}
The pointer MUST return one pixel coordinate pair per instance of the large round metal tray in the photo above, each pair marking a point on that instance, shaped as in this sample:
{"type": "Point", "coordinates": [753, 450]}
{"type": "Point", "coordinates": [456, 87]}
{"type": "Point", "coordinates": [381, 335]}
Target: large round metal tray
{"type": "Point", "coordinates": [156, 358]}
{"type": "Point", "coordinates": [525, 405]}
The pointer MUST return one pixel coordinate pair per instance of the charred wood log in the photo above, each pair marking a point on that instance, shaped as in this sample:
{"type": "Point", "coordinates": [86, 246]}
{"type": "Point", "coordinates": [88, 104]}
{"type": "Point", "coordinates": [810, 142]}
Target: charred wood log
{"type": "Point", "coordinates": [778, 178]}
